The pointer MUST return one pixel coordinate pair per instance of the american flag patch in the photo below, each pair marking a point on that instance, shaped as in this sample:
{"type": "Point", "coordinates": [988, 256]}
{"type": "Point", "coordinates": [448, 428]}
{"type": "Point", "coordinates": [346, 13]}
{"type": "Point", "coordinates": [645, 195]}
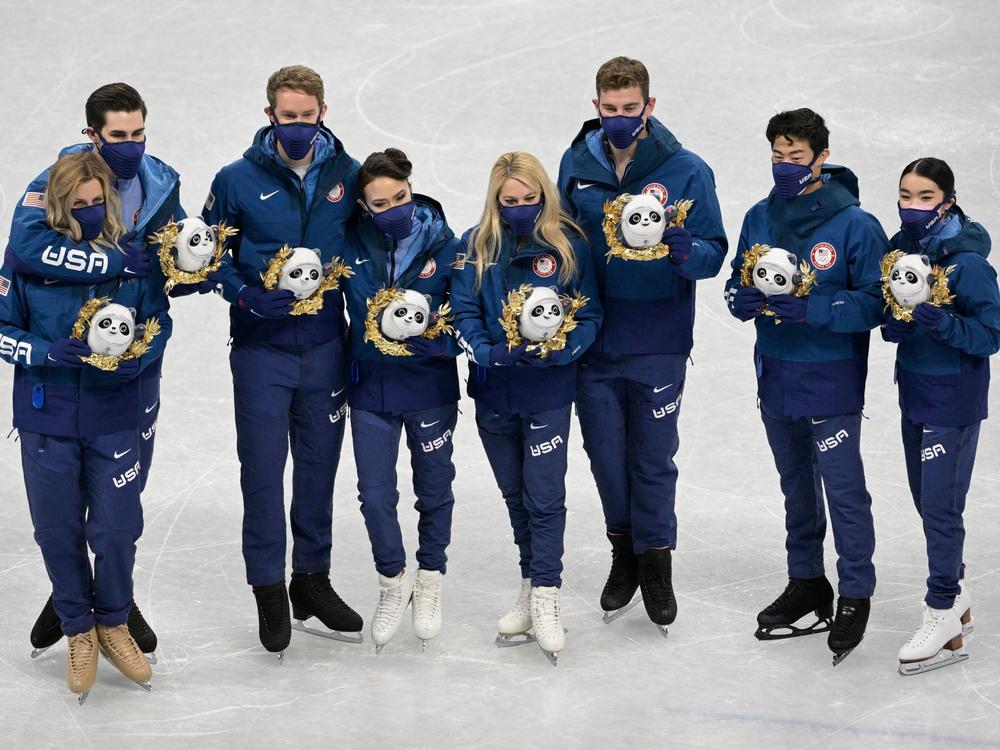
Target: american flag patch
{"type": "Point", "coordinates": [36, 200]}
{"type": "Point", "coordinates": [209, 201]}
{"type": "Point", "coordinates": [459, 263]}
{"type": "Point", "coordinates": [4, 286]}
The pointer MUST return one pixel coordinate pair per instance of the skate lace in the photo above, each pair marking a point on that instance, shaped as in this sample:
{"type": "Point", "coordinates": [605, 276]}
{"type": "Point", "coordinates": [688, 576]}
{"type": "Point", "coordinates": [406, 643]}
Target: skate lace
{"type": "Point", "coordinates": [930, 622]}
{"type": "Point", "coordinates": [386, 598]}
{"type": "Point", "coordinates": [426, 594]}
{"type": "Point", "coordinates": [790, 594]}
{"type": "Point", "coordinates": [121, 642]}
{"type": "Point", "coordinates": [549, 609]}
{"type": "Point", "coordinates": [81, 650]}
{"type": "Point", "coordinates": [137, 623]}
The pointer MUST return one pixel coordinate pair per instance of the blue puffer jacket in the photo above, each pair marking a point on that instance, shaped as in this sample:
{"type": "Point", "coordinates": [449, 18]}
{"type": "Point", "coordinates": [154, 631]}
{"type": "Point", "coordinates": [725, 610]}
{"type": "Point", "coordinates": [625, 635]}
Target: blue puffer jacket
{"type": "Point", "coordinates": [379, 382]}
{"type": "Point", "coordinates": [263, 198]}
{"type": "Point", "coordinates": [520, 389]}
{"type": "Point", "coordinates": [818, 368]}
{"type": "Point", "coordinates": [946, 383]}
{"type": "Point", "coordinates": [659, 293]}
{"type": "Point", "coordinates": [71, 402]}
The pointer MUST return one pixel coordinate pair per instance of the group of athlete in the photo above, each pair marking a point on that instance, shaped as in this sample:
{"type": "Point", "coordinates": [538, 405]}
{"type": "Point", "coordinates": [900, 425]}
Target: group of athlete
{"type": "Point", "coordinates": [83, 235]}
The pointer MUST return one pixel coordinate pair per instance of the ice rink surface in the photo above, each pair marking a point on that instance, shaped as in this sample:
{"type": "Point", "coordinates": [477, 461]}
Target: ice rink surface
{"type": "Point", "coordinates": [455, 85]}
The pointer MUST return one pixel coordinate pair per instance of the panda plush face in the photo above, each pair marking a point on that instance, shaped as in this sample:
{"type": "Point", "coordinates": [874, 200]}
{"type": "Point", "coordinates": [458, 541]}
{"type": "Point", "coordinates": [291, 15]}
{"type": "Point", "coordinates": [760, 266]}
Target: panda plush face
{"type": "Point", "coordinates": [909, 281]}
{"type": "Point", "coordinates": [775, 272]}
{"type": "Point", "coordinates": [406, 317]}
{"type": "Point", "coordinates": [302, 273]}
{"type": "Point", "coordinates": [195, 244]}
{"type": "Point", "coordinates": [112, 330]}
{"type": "Point", "coordinates": [541, 315]}
{"type": "Point", "coordinates": [643, 222]}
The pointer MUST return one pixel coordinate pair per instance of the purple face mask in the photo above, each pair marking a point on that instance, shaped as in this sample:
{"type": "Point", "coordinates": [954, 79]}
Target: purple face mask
{"type": "Point", "coordinates": [397, 222]}
{"type": "Point", "coordinates": [296, 138]}
{"type": "Point", "coordinates": [521, 219]}
{"type": "Point", "coordinates": [791, 179]}
{"type": "Point", "coordinates": [124, 157]}
{"type": "Point", "coordinates": [90, 219]}
{"type": "Point", "coordinates": [622, 130]}
{"type": "Point", "coordinates": [917, 223]}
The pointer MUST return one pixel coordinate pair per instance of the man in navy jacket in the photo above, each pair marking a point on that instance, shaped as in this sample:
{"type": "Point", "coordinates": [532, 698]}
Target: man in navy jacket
{"type": "Point", "coordinates": [632, 379]}
{"type": "Point", "coordinates": [295, 185]}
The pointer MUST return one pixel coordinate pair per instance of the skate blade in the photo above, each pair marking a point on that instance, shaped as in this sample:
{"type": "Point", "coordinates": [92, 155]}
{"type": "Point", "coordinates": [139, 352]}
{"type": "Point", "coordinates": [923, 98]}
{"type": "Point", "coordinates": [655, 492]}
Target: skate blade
{"type": "Point", "coordinates": [281, 657]}
{"type": "Point", "coordinates": [663, 630]}
{"type": "Point", "coordinates": [610, 617]}
{"type": "Point", "coordinates": [943, 658]}
{"type": "Point", "coordinates": [839, 656]}
{"type": "Point", "coordinates": [151, 657]}
{"type": "Point", "coordinates": [36, 652]}
{"type": "Point", "coordinates": [781, 632]}
{"type": "Point", "coordinates": [514, 639]}
{"type": "Point", "coordinates": [82, 697]}
{"type": "Point", "coordinates": [145, 686]}
{"type": "Point", "coordinates": [333, 635]}
{"type": "Point", "coordinates": [553, 658]}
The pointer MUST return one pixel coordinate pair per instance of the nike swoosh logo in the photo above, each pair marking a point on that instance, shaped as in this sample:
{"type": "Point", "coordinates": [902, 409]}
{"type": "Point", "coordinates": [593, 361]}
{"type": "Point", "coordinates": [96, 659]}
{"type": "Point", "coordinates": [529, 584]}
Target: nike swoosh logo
{"type": "Point", "coordinates": [129, 270]}
{"type": "Point", "coordinates": [662, 388]}
{"type": "Point", "coordinates": [926, 431]}
{"type": "Point", "coordinates": [123, 453]}
{"type": "Point", "coordinates": [337, 393]}
{"type": "Point", "coordinates": [265, 197]}
{"type": "Point", "coordinates": [425, 426]}
{"type": "Point", "coordinates": [537, 426]}
{"type": "Point", "coordinates": [584, 185]}
{"type": "Point", "coordinates": [817, 421]}
{"type": "Point", "coordinates": [358, 261]}
{"type": "Point", "coordinates": [50, 281]}
{"type": "Point", "coordinates": [150, 408]}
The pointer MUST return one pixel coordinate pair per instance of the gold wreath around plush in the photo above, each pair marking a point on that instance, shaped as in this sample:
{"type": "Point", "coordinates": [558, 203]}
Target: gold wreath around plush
{"type": "Point", "coordinates": [618, 249]}
{"type": "Point", "coordinates": [511, 315]}
{"type": "Point", "coordinates": [105, 361]}
{"type": "Point", "coordinates": [440, 323]}
{"type": "Point", "coordinates": [314, 302]}
{"type": "Point", "coordinates": [754, 254]}
{"type": "Point", "coordinates": [166, 237]}
{"type": "Point", "coordinates": [940, 294]}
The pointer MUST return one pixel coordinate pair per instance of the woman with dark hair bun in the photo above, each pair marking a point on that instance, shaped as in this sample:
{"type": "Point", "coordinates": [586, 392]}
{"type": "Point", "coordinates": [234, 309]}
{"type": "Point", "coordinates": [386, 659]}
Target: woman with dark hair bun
{"type": "Point", "coordinates": [403, 376]}
{"type": "Point", "coordinates": [942, 369]}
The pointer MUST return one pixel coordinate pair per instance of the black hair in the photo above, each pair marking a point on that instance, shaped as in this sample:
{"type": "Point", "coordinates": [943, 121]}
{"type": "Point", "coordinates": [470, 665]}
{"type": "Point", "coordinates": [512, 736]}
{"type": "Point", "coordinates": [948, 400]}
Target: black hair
{"type": "Point", "coordinates": [935, 170]}
{"type": "Point", "coordinates": [800, 123]}
{"type": "Point", "coordinates": [112, 97]}
{"type": "Point", "coordinates": [391, 163]}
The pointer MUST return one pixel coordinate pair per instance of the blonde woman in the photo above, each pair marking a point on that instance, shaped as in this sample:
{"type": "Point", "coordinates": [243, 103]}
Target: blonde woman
{"type": "Point", "coordinates": [78, 428]}
{"type": "Point", "coordinates": [523, 399]}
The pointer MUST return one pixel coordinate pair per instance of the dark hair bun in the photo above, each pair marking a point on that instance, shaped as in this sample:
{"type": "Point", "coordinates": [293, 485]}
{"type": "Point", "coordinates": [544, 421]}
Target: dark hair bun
{"type": "Point", "coordinates": [390, 163]}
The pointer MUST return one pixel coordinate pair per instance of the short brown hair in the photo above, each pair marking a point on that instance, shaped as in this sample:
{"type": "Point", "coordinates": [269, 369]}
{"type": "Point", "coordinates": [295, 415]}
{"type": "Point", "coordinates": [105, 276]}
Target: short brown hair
{"type": "Point", "coordinates": [112, 97]}
{"type": "Point", "coordinates": [297, 78]}
{"type": "Point", "coordinates": [622, 73]}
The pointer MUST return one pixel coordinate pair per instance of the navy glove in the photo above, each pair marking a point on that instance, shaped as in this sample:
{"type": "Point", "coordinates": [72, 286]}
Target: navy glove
{"type": "Point", "coordinates": [932, 318]}
{"type": "Point", "coordinates": [421, 347]}
{"type": "Point", "coordinates": [894, 331]}
{"type": "Point", "coordinates": [138, 262]}
{"type": "Point", "coordinates": [555, 359]}
{"type": "Point", "coordinates": [127, 370]}
{"type": "Point", "coordinates": [679, 240]}
{"type": "Point", "coordinates": [747, 303]}
{"type": "Point", "coordinates": [67, 353]}
{"type": "Point", "coordinates": [183, 290]}
{"type": "Point", "coordinates": [264, 304]}
{"type": "Point", "coordinates": [788, 307]}
{"type": "Point", "coordinates": [501, 357]}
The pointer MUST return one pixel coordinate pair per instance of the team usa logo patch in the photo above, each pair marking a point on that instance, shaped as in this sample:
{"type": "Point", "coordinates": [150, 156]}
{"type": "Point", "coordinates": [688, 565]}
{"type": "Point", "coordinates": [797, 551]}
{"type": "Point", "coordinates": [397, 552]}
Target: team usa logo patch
{"type": "Point", "coordinates": [657, 190]}
{"type": "Point", "coordinates": [335, 195]}
{"type": "Point", "coordinates": [544, 266]}
{"type": "Point", "coordinates": [823, 255]}
{"type": "Point", "coordinates": [429, 269]}
{"type": "Point", "coordinates": [34, 200]}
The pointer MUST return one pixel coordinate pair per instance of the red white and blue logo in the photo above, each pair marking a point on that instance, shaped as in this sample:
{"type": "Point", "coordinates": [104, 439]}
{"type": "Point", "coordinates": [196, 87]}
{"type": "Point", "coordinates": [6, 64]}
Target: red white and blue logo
{"type": "Point", "coordinates": [658, 190]}
{"type": "Point", "coordinates": [544, 266]}
{"type": "Point", "coordinates": [336, 193]}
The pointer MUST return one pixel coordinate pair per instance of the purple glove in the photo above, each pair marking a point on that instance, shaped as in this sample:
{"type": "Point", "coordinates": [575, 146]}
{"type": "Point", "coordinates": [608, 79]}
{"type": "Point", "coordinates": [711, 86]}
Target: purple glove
{"type": "Point", "coordinates": [788, 307]}
{"type": "Point", "coordinates": [137, 259]}
{"type": "Point", "coordinates": [501, 357]}
{"type": "Point", "coordinates": [67, 353]}
{"type": "Point", "coordinates": [932, 318]}
{"type": "Point", "coordinates": [894, 331]}
{"type": "Point", "coordinates": [127, 370]}
{"type": "Point", "coordinates": [747, 302]}
{"type": "Point", "coordinates": [679, 240]}
{"type": "Point", "coordinates": [264, 304]}
{"type": "Point", "coordinates": [421, 347]}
